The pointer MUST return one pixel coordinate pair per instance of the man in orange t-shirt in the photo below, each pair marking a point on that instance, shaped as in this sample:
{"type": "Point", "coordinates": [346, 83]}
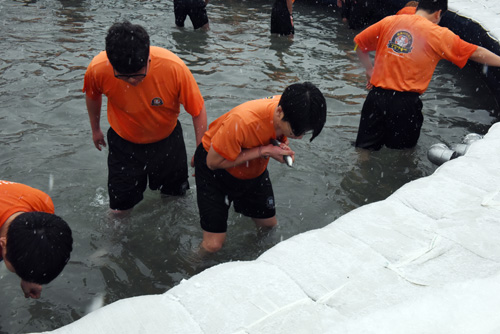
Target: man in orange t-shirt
{"type": "Point", "coordinates": [145, 87]}
{"type": "Point", "coordinates": [408, 48]}
{"type": "Point", "coordinates": [231, 162]}
{"type": "Point", "coordinates": [34, 243]}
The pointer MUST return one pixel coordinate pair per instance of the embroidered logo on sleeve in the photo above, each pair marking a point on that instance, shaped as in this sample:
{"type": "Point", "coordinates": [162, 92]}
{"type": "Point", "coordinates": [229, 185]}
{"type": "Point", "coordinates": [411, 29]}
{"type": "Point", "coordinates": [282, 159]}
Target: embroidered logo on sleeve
{"type": "Point", "coordinates": [156, 102]}
{"type": "Point", "coordinates": [401, 42]}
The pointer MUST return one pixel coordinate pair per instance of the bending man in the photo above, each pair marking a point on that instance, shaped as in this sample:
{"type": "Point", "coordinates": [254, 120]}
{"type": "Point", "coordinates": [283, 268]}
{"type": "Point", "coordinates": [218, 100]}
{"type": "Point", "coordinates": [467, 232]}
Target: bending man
{"type": "Point", "coordinates": [231, 163]}
{"type": "Point", "coordinates": [34, 242]}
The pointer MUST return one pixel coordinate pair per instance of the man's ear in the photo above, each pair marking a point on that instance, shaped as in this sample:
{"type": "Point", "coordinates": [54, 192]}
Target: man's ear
{"type": "Point", "coordinates": [437, 16]}
{"type": "Point", "coordinates": [3, 246]}
{"type": "Point", "coordinates": [280, 113]}
{"type": "Point", "coordinates": [3, 251]}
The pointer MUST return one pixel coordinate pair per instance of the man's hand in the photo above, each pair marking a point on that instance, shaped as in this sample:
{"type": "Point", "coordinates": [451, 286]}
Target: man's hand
{"type": "Point", "coordinates": [31, 290]}
{"type": "Point", "coordinates": [278, 152]}
{"type": "Point", "coordinates": [98, 138]}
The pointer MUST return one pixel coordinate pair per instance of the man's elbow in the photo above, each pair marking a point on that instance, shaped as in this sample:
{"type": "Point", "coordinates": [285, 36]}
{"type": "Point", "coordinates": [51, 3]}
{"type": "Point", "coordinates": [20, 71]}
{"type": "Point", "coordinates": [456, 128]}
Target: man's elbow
{"type": "Point", "coordinates": [211, 166]}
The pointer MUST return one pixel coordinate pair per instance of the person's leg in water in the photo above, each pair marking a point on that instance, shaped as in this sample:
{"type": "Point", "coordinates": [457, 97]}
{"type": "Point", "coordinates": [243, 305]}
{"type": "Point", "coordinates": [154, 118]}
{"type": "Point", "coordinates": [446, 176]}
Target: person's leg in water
{"type": "Point", "coordinates": [127, 179]}
{"type": "Point", "coordinates": [167, 168]}
{"type": "Point", "coordinates": [180, 12]}
{"type": "Point", "coordinates": [198, 15]}
{"type": "Point", "coordinates": [281, 20]}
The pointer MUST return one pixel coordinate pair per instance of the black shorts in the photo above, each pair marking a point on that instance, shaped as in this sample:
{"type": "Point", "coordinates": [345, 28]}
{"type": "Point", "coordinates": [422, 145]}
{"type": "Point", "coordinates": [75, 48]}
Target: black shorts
{"type": "Point", "coordinates": [390, 118]}
{"type": "Point", "coordinates": [280, 19]}
{"type": "Point", "coordinates": [345, 10]}
{"type": "Point", "coordinates": [131, 165]}
{"type": "Point", "coordinates": [195, 9]}
{"type": "Point", "coordinates": [217, 189]}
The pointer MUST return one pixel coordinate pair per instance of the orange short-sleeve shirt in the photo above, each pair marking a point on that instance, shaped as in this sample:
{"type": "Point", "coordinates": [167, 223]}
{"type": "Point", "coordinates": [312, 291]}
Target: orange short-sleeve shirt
{"type": "Point", "coordinates": [17, 197]}
{"type": "Point", "coordinates": [408, 48]}
{"type": "Point", "coordinates": [148, 112]}
{"type": "Point", "coordinates": [246, 126]}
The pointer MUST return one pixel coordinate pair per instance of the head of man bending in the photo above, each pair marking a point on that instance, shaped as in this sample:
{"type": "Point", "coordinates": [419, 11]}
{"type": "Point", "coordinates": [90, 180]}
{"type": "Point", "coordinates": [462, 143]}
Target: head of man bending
{"type": "Point", "coordinates": [37, 246]}
{"type": "Point", "coordinates": [127, 47]}
{"type": "Point", "coordinates": [304, 107]}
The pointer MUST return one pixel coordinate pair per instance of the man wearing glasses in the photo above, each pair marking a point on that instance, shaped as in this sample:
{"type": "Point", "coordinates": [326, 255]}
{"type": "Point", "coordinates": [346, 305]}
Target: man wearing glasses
{"type": "Point", "coordinates": [144, 86]}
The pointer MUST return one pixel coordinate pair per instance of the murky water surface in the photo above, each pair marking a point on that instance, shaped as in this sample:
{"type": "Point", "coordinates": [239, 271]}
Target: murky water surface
{"type": "Point", "coordinates": [45, 139]}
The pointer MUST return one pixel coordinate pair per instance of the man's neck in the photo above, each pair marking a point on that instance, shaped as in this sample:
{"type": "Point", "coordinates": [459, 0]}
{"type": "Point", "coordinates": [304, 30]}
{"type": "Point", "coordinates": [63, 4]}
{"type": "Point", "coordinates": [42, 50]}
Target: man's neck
{"type": "Point", "coordinates": [434, 17]}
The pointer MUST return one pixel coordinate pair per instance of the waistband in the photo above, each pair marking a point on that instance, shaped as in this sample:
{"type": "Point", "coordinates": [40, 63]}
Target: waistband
{"type": "Point", "coordinates": [384, 91]}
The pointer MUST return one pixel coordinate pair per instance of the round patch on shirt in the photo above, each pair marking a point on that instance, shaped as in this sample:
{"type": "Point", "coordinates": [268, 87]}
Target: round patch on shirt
{"type": "Point", "coordinates": [401, 42]}
{"type": "Point", "coordinates": [156, 102]}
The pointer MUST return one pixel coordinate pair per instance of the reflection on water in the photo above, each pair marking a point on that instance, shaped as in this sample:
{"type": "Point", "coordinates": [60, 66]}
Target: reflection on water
{"type": "Point", "coordinates": [45, 140]}
{"type": "Point", "coordinates": [384, 170]}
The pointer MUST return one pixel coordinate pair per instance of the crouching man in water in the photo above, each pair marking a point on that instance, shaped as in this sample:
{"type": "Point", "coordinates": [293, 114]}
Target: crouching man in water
{"type": "Point", "coordinates": [231, 162]}
{"type": "Point", "coordinates": [34, 243]}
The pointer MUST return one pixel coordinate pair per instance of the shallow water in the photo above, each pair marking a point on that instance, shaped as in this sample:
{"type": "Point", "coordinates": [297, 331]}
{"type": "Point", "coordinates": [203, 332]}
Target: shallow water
{"type": "Point", "coordinates": [45, 140]}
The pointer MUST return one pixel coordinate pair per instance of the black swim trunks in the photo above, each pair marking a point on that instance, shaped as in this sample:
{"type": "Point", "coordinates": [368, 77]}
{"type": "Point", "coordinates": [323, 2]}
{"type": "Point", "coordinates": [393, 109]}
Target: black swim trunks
{"type": "Point", "coordinates": [195, 9]}
{"type": "Point", "coordinates": [217, 189]}
{"type": "Point", "coordinates": [281, 22]}
{"type": "Point", "coordinates": [390, 118]}
{"type": "Point", "coordinates": [131, 166]}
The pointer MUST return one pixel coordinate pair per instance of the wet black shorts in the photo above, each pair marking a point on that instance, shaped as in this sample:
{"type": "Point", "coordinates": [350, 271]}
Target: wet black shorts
{"type": "Point", "coordinates": [345, 10]}
{"type": "Point", "coordinates": [195, 9]}
{"type": "Point", "coordinates": [390, 118]}
{"type": "Point", "coordinates": [280, 19]}
{"type": "Point", "coordinates": [131, 165]}
{"type": "Point", "coordinates": [217, 189]}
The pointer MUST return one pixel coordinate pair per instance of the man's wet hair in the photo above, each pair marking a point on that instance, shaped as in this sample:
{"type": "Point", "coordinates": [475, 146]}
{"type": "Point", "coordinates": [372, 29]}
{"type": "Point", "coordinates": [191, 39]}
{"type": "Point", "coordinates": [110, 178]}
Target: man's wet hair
{"type": "Point", "coordinates": [127, 47]}
{"type": "Point", "coordinates": [432, 6]}
{"type": "Point", "coordinates": [304, 107]}
{"type": "Point", "coordinates": [38, 246]}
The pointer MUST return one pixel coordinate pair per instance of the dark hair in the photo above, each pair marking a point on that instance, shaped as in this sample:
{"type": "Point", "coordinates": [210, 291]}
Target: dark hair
{"type": "Point", "coordinates": [127, 47]}
{"type": "Point", "coordinates": [304, 107]}
{"type": "Point", "coordinates": [432, 6]}
{"type": "Point", "coordinates": [38, 246]}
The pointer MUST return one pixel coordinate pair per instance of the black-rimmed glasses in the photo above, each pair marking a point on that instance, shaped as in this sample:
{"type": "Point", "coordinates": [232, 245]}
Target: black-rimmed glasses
{"type": "Point", "coordinates": [132, 76]}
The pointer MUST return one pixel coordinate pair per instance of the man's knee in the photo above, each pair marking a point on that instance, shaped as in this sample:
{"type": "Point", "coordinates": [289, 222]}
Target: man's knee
{"type": "Point", "coordinates": [211, 246]}
{"type": "Point", "coordinates": [267, 222]}
{"type": "Point", "coordinates": [213, 242]}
